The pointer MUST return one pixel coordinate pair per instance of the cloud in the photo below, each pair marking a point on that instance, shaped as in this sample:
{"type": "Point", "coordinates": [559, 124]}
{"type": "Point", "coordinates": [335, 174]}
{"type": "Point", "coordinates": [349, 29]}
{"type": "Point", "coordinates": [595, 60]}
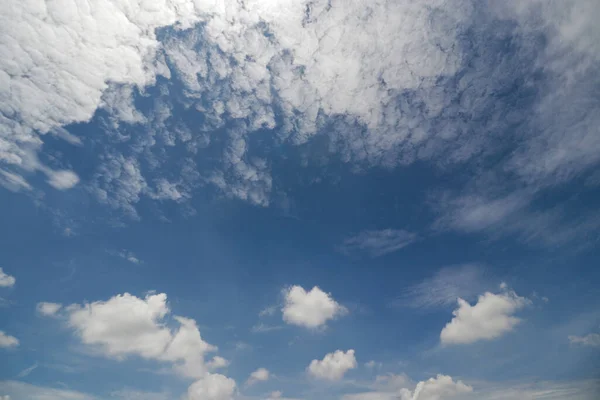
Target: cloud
{"type": "Point", "coordinates": [310, 309]}
{"type": "Point", "coordinates": [490, 318]}
{"type": "Point", "coordinates": [7, 341]}
{"type": "Point", "coordinates": [217, 362]}
{"type": "Point", "coordinates": [15, 390]}
{"type": "Point", "coordinates": [127, 255]}
{"type": "Point", "coordinates": [439, 388]}
{"type": "Point", "coordinates": [6, 280]}
{"type": "Point", "coordinates": [379, 243]}
{"type": "Point", "coordinates": [78, 51]}
{"type": "Point", "coordinates": [373, 364]}
{"type": "Point", "coordinates": [589, 340]}
{"type": "Point", "coordinates": [444, 287]}
{"type": "Point", "coordinates": [268, 311]}
{"type": "Point", "coordinates": [333, 366]}
{"type": "Point", "coordinates": [262, 328]}
{"type": "Point", "coordinates": [260, 375]}
{"type": "Point", "coordinates": [48, 309]}
{"type": "Point", "coordinates": [130, 394]}
{"type": "Point", "coordinates": [212, 387]}
{"type": "Point", "coordinates": [27, 371]}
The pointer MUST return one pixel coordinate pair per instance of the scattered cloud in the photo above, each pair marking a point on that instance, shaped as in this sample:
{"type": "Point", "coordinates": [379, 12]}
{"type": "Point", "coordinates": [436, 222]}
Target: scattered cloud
{"type": "Point", "coordinates": [260, 375]}
{"type": "Point", "coordinates": [263, 328]}
{"type": "Point", "coordinates": [127, 325]}
{"type": "Point", "coordinates": [212, 387]}
{"type": "Point", "coordinates": [27, 371]}
{"type": "Point", "coordinates": [589, 340]}
{"type": "Point", "coordinates": [6, 280]}
{"type": "Point", "coordinates": [439, 388]}
{"type": "Point", "coordinates": [15, 390]}
{"type": "Point", "coordinates": [491, 317]}
{"type": "Point", "coordinates": [7, 341]}
{"type": "Point", "coordinates": [379, 243]}
{"type": "Point", "coordinates": [333, 366]}
{"type": "Point", "coordinates": [48, 309]}
{"type": "Point", "coordinates": [268, 311]}
{"type": "Point", "coordinates": [310, 309]}
{"type": "Point", "coordinates": [444, 287]}
{"type": "Point", "coordinates": [373, 364]}
{"type": "Point", "coordinates": [131, 394]}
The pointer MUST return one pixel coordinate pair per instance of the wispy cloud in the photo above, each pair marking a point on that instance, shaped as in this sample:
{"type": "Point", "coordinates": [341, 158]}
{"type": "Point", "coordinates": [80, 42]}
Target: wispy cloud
{"type": "Point", "coordinates": [445, 287]}
{"type": "Point", "coordinates": [378, 243]}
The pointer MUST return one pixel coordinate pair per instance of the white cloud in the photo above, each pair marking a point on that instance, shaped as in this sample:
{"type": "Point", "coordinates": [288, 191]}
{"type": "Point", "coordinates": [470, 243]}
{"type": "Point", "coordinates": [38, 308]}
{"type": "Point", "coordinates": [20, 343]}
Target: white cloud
{"type": "Point", "coordinates": [6, 280]}
{"type": "Point", "coordinates": [130, 394]}
{"type": "Point", "coordinates": [212, 387]}
{"type": "Point", "coordinates": [217, 362]}
{"type": "Point", "coordinates": [48, 309]}
{"type": "Point", "coordinates": [491, 317]}
{"type": "Point", "coordinates": [333, 366]}
{"type": "Point", "coordinates": [439, 388]}
{"type": "Point", "coordinates": [57, 60]}
{"type": "Point", "coordinates": [590, 340]}
{"type": "Point", "coordinates": [373, 364]}
{"type": "Point", "coordinates": [15, 390]}
{"type": "Point", "coordinates": [379, 243]}
{"type": "Point", "coordinates": [268, 311]}
{"type": "Point", "coordinates": [127, 325]}
{"type": "Point", "coordinates": [260, 375]}
{"type": "Point", "coordinates": [262, 328]}
{"type": "Point", "coordinates": [310, 309]}
{"type": "Point", "coordinates": [7, 341]}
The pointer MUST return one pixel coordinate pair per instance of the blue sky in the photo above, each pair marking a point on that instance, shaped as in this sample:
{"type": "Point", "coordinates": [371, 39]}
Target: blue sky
{"type": "Point", "coordinates": [210, 200]}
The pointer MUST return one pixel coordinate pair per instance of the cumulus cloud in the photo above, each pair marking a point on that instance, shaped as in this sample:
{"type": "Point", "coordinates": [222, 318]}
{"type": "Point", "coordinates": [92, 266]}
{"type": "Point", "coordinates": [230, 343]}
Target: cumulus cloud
{"type": "Point", "coordinates": [590, 340]}
{"type": "Point", "coordinates": [212, 387]}
{"type": "Point", "coordinates": [310, 309]}
{"type": "Point", "coordinates": [260, 375]}
{"type": "Point", "coordinates": [8, 341]}
{"type": "Point", "coordinates": [333, 366]}
{"type": "Point", "coordinates": [48, 309]}
{"type": "Point", "coordinates": [379, 243]}
{"type": "Point", "coordinates": [126, 325]}
{"type": "Point", "coordinates": [439, 388]}
{"type": "Point", "coordinates": [491, 317]}
{"type": "Point", "coordinates": [6, 280]}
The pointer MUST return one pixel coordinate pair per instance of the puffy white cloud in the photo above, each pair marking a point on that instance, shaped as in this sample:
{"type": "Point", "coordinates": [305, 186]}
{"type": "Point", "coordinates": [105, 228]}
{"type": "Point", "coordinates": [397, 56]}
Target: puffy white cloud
{"type": "Point", "coordinates": [217, 362]}
{"type": "Point", "coordinates": [379, 243]}
{"type": "Point", "coordinates": [48, 309]}
{"type": "Point", "coordinates": [491, 317]}
{"type": "Point", "coordinates": [333, 366]}
{"type": "Point", "coordinates": [591, 340]}
{"type": "Point", "coordinates": [310, 309]}
{"type": "Point", "coordinates": [212, 387]}
{"type": "Point", "coordinates": [7, 341]}
{"type": "Point", "coordinates": [6, 280]}
{"type": "Point", "coordinates": [128, 325]}
{"type": "Point", "coordinates": [260, 375]}
{"type": "Point", "coordinates": [396, 387]}
{"type": "Point", "coordinates": [438, 388]}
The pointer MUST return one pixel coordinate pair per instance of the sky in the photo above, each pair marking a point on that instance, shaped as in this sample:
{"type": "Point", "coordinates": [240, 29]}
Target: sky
{"type": "Point", "coordinates": [299, 199]}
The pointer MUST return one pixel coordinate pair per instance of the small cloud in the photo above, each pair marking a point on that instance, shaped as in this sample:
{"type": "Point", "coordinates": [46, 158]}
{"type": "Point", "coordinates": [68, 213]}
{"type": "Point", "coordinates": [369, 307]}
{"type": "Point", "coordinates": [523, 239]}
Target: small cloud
{"type": "Point", "coordinates": [61, 180]}
{"type": "Point", "coordinates": [217, 362]}
{"type": "Point", "coordinates": [333, 366]}
{"type": "Point", "coordinates": [6, 280]}
{"type": "Point", "coordinates": [373, 364]}
{"type": "Point", "coordinates": [260, 375]}
{"type": "Point", "coordinates": [48, 309]}
{"type": "Point", "coordinates": [7, 341]}
{"type": "Point", "coordinates": [267, 312]}
{"type": "Point", "coordinates": [491, 317]}
{"type": "Point", "coordinates": [126, 255]}
{"type": "Point", "coordinates": [378, 243]}
{"type": "Point", "coordinates": [263, 328]}
{"type": "Point", "coordinates": [590, 340]}
{"type": "Point", "coordinates": [27, 371]}
{"type": "Point", "coordinates": [310, 309]}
